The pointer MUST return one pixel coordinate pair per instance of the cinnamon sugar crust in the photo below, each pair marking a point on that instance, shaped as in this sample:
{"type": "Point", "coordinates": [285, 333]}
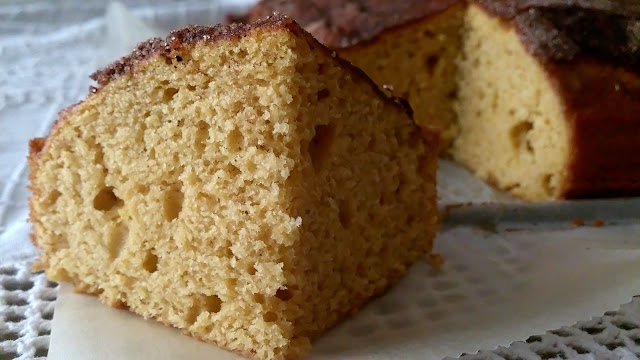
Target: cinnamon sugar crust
{"type": "Point", "coordinates": [563, 30]}
{"type": "Point", "coordinates": [170, 47]}
{"type": "Point", "coordinates": [188, 35]}
{"type": "Point", "coordinates": [340, 24]}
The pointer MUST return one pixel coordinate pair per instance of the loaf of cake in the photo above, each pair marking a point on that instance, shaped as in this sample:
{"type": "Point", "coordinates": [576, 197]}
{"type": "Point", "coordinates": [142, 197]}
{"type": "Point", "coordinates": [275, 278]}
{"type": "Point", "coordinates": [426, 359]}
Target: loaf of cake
{"type": "Point", "coordinates": [539, 97]}
{"type": "Point", "coordinates": [549, 97]}
{"type": "Point", "coordinates": [407, 46]}
{"type": "Point", "coordinates": [244, 184]}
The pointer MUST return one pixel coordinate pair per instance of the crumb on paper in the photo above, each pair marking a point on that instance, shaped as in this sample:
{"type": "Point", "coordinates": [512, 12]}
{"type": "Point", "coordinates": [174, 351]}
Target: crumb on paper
{"type": "Point", "coordinates": [597, 223]}
{"type": "Point", "coordinates": [449, 207]}
{"type": "Point", "coordinates": [578, 222]}
{"type": "Point", "coordinates": [435, 261]}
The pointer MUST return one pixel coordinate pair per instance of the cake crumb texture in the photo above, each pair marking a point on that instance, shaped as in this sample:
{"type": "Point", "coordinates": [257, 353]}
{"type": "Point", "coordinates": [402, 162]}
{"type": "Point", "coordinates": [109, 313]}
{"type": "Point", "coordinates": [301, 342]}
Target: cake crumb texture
{"type": "Point", "coordinates": [511, 135]}
{"type": "Point", "coordinates": [538, 97]}
{"type": "Point", "coordinates": [250, 189]}
{"type": "Point", "coordinates": [409, 47]}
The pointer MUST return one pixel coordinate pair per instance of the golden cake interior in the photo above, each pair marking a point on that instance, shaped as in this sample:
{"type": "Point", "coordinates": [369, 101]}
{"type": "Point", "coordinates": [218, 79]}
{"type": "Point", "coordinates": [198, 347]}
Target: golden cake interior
{"type": "Point", "coordinates": [512, 127]}
{"type": "Point", "coordinates": [248, 191]}
{"type": "Point", "coordinates": [417, 62]}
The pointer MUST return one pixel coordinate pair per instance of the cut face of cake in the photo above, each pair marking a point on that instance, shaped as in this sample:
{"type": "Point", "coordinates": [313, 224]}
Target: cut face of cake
{"type": "Point", "coordinates": [540, 98]}
{"type": "Point", "coordinates": [243, 184]}
{"type": "Point", "coordinates": [549, 98]}
{"type": "Point", "coordinates": [408, 46]}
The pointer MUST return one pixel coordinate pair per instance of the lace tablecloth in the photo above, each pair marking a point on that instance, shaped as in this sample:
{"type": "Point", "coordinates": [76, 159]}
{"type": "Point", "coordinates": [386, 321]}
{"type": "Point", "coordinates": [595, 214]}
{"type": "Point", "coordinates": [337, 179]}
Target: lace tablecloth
{"type": "Point", "coordinates": [47, 51]}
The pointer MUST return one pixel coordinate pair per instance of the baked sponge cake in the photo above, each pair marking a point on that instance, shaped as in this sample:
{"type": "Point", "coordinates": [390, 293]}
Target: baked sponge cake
{"type": "Point", "coordinates": [538, 97]}
{"type": "Point", "coordinates": [407, 46]}
{"type": "Point", "coordinates": [242, 183]}
{"type": "Point", "coordinates": [549, 97]}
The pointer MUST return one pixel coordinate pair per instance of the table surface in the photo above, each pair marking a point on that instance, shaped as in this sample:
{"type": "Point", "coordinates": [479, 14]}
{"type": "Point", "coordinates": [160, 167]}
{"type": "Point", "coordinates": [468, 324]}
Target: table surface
{"type": "Point", "coordinates": [46, 51]}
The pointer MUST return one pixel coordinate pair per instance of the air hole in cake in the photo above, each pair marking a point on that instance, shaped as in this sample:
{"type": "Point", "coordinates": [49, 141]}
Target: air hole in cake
{"type": "Point", "coordinates": [231, 283]}
{"type": "Point", "coordinates": [117, 239]}
{"type": "Point", "coordinates": [192, 314]}
{"type": "Point", "coordinates": [320, 145]}
{"type": "Point", "coordinates": [323, 94]}
{"type": "Point", "coordinates": [212, 304]}
{"type": "Point", "coordinates": [232, 170]}
{"type": "Point", "coordinates": [323, 68]}
{"type": "Point", "coordinates": [202, 134]}
{"type": "Point", "coordinates": [520, 135]}
{"type": "Point", "coordinates": [284, 294]}
{"type": "Point", "coordinates": [269, 316]}
{"type": "Point", "coordinates": [431, 63]}
{"type": "Point", "coordinates": [242, 53]}
{"type": "Point", "coordinates": [203, 303]}
{"type": "Point", "coordinates": [98, 155]}
{"type": "Point", "coordinates": [345, 214]}
{"type": "Point", "coordinates": [150, 262]}
{"type": "Point", "coordinates": [510, 187]}
{"type": "Point", "coordinates": [229, 252]}
{"type": "Point", "coordinates": [235, 140]}
{"type": "Point", "coordinates": [106, 199]}
{"type": "Point", "coordinates": [172, 203]}
{"type": "Point", "coordinates": [548, 184]}
{"type": "Point", "coordinates": [251, 270]}
{"type": "Point", "coordinates": [169, 93]}
{"type": "Point", "coordinates": [52, 198]}
{"type": "Point", "coordinates": [191, 88]}
{"type": "Point", "coordinates": [258, 298]}
{"type": "Point", "coordinates": [251, 166]}
{"type": "Point", "coordinates": [179, 58]}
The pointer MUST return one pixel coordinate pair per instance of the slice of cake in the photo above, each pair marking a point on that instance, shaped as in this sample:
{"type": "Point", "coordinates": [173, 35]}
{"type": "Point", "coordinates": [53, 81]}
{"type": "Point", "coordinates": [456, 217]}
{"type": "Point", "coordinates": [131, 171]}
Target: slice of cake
{"type": "Point", "coordinates": [544, 100]}
{"type": "Point", "coordinates": [242, 183]}
{"type": "Point", "coordinates": [549, 97]}
{"type": "Point", "coordinates": [407, 46]}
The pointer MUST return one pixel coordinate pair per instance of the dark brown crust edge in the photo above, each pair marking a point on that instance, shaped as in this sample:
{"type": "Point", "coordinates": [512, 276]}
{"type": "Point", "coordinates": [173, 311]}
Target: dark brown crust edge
{"type": "Point", "coordinates": [565, 30]}
{"type": "Point", "coordinates": [171, 46]}
{"type": "Point", "coordinates": [602, 108]}
{"type": "Point", "coordinates": [340, 24]}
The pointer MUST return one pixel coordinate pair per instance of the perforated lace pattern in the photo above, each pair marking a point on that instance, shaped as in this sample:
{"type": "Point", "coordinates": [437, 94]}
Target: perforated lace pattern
{"type": "Point", "coordinates": [27, 302]}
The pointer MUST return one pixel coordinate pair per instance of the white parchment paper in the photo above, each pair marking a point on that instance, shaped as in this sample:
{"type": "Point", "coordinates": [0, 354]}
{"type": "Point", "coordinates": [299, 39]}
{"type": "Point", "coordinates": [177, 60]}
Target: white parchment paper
{"type": "Point", "coordinates": [508, 275]}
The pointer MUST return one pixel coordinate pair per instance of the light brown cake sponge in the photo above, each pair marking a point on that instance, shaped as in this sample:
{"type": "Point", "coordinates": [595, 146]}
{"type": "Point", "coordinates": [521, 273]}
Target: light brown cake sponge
{"type": "Point", "coordinates": [243, 184]}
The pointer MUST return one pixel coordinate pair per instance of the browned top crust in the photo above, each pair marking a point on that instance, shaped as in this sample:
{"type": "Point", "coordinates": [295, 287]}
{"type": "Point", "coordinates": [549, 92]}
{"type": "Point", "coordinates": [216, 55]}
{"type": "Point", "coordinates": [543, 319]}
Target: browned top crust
{"type": "Point", "coordinates": [562, 30]}
{"type": "Point", "coordinates": [188, 35]}
{"type": "Point", "coordinates": [339, 23]}
{"type": "Point", "coordinates": [170, 47]}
